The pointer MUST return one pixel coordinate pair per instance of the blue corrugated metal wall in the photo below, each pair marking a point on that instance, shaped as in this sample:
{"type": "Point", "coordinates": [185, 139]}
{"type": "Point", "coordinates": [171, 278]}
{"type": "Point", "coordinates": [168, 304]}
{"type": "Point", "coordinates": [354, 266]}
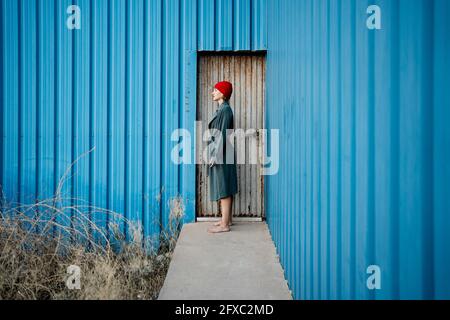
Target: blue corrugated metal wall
{"type": "Point", "coordinates": [121, 84]}
{"type": "Point", "coordinates": [365, 147]}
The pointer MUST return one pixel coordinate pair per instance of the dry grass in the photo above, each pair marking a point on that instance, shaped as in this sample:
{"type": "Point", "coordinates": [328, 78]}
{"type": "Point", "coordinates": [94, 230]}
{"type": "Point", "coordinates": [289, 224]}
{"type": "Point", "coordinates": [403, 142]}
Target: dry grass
{"type": "Point", "coordinates": [39, 242]}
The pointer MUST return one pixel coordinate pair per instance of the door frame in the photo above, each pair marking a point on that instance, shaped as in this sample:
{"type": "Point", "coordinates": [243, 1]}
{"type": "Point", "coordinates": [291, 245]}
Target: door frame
{"type": "Point", "coordinates": [192, 98]}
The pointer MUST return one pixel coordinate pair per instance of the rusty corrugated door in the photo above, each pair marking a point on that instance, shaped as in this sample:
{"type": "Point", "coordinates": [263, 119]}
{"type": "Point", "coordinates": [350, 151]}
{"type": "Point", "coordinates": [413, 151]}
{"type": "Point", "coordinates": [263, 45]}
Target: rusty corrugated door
{"type": "Point", "coordinates": [247, 74]}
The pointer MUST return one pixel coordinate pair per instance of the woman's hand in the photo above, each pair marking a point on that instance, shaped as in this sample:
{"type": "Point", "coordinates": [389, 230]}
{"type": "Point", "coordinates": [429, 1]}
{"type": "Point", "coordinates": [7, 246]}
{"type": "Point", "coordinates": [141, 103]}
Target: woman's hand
{"type": "Point", "coordinates": [212, 162]}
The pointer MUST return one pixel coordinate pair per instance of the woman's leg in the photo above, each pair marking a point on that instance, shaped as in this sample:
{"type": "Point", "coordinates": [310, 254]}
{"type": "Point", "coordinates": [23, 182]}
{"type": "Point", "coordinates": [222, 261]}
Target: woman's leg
{"type": "Point", "coordinates": [226, 205]}
{"type": "Point", "coordinates": [222, 221]}
{"type": "Point", "coordinates": [223, 226]}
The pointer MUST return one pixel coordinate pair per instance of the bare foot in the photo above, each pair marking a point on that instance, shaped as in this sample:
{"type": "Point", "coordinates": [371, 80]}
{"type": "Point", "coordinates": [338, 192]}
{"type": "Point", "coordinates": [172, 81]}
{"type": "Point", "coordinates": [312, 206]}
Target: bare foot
{"type": "Point", "coordinates": [219, 229]}
{"type": "Point", "coordinates": [218, 223]}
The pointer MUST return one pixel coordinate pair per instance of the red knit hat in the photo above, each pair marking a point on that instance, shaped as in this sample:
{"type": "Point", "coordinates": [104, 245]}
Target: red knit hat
{"type": "Point", "coordinates": [225, 87]}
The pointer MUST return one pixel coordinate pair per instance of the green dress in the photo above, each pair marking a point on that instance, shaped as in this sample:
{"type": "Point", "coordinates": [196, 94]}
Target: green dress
{"type": "Point", "coordinates": [222, 176]}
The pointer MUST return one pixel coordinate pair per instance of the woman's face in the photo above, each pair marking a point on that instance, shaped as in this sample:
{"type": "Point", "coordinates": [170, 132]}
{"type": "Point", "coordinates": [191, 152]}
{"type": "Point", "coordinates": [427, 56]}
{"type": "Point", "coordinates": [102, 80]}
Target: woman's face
{"type": "Point", "coordinates": [217, 95]}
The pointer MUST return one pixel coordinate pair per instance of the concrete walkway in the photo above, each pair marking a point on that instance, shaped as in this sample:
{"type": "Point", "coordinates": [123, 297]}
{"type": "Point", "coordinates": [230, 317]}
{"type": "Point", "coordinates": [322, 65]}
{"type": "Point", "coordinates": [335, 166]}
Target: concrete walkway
{"type": "Point", "coordinates": [241, 264]}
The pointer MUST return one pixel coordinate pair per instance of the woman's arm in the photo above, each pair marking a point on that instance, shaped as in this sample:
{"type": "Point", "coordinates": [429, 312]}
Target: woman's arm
{"type": "Point", "coordinates": [224, 121]}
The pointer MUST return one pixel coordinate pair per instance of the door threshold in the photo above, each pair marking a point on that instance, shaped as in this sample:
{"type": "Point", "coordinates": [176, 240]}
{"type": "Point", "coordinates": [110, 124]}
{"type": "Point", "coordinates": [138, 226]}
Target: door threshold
{"type": "Point", "coordinates": [236, 219]}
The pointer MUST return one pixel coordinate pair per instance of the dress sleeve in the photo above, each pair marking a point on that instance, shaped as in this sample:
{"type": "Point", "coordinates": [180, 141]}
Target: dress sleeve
{"type": "Point", "coordinates": [224, 122]}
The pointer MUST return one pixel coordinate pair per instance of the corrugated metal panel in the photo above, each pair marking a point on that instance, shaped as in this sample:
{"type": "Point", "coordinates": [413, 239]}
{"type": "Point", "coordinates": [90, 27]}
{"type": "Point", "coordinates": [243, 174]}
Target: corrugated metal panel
{"type": "Point", "coordinates": [441, 150]}
{"type": "Point", "coordinates": [232, 25]}
{"type": "Point", "coordinates": [247, 73]}
{"type": "Point", "coordinates": [121, 85]}
{"type": "Point", "coordinates": [364, 147]}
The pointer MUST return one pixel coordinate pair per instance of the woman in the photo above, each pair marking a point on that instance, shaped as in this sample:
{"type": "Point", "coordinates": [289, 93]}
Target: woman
{"type": "Point", "coordinates": [222, 173]}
